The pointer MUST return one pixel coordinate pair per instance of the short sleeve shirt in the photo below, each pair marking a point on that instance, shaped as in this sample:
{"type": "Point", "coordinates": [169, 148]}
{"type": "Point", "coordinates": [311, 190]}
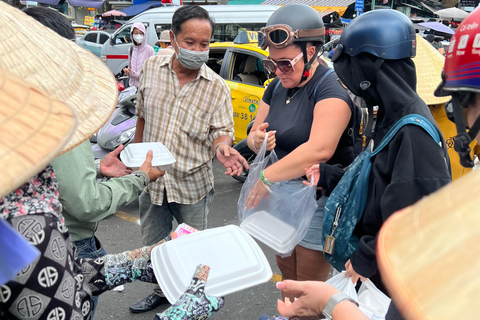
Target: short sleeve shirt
{"type": "Point", "coordinates": [293, 121]}
{"type": "Point", "coordinates": [186, 120]}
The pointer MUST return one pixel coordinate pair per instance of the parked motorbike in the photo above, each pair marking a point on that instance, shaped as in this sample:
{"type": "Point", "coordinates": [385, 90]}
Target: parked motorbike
{"type": "Point", "coordinates": [246, 152]}
{"type": "Point", "coordinates": [120, 128]}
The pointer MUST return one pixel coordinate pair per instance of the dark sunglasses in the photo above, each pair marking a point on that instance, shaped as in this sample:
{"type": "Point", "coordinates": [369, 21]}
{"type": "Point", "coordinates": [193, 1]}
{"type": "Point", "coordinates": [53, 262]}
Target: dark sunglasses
{"type": "Point", "coordinates": [285, 65]}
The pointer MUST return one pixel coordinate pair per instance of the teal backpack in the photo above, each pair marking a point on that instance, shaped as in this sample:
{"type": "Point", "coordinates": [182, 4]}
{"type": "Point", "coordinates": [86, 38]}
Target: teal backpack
{"type": "Point", "coordinates": [346, 203]}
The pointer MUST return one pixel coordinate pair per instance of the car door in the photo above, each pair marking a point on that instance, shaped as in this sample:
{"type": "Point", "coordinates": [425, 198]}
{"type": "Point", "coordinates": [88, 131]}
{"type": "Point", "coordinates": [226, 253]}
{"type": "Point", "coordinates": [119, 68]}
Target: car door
{"type": "Point", "coordinates": [90, 42]}
{"type": "Point", "coordinates": [245, 76]}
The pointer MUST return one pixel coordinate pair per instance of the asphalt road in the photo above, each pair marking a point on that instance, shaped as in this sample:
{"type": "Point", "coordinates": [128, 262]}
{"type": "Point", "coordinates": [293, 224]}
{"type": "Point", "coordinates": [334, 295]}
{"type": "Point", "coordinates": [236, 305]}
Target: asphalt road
{"type": "Point", "coordinates": [122, 232]}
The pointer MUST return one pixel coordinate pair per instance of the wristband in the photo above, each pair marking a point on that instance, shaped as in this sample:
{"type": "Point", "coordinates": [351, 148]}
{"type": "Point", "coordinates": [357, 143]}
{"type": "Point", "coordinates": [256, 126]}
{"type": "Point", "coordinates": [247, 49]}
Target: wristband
{"type": "Point", "coordinates": [333, 302]}
{"type": "Point", "coordinates": [253, 143]}
{"type": "Point", "coordinates": [97, 169]}
{"type": "Point", "coordinates": [265, 180]}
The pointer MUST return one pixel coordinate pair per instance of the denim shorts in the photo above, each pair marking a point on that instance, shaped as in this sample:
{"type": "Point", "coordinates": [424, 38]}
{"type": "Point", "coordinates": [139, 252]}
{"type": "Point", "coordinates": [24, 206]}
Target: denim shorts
{"type": "Point", "coordinates": [313, 238]}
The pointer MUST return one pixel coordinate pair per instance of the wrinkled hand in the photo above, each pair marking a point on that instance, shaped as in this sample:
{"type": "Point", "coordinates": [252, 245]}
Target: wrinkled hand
{"type": "Point", "coordinates": [313, 171]}
{"type": "Point", "coordinates": [127, 71]}
{"type": "Point", "coordinates": [194, 303]}
{"type": "Point", "coordinates": [231, 159]}
{"type": "Point", "coordinates": [258, 192]}
{"type": "Point", "coordinates": [260, 136]}
{"type": "Point", "coordinates": [153, 173]}
{"type": "Point", "coordinates": [313, 296]}
{"type": "Point", "coordinates": [351, 273]}
{"type": "Point", "coordinates": [110, 166]}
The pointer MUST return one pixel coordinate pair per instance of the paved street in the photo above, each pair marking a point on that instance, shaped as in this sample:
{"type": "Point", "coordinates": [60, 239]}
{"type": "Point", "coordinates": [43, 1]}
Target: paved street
{"type": "Point", "coordinates": [122, 232]}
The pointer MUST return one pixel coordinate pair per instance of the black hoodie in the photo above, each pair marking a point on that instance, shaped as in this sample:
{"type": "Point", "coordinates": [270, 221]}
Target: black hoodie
{"type": "Point", "coordinates": [410, 167]}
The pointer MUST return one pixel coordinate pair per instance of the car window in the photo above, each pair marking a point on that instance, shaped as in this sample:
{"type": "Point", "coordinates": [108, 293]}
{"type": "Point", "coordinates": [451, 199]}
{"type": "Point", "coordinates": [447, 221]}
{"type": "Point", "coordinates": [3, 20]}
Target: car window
{"type": "Point", "coordinates": [103, 38]}
{"type": "Point", "coordinates": [215, 59]}
{"type": "Point", "coordinates": [247, 68]}
{"type": "Point", "coordinates": [123, 36]}
{"type": "Point", "coordinates": [91, 37]}
{"type": "Point", "coordinates": [161, 27]}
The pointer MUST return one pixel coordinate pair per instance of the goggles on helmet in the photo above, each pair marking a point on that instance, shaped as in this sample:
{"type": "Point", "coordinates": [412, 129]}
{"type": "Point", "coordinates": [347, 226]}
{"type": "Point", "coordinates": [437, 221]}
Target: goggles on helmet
{"type": "Point", "coordinates": [285, 65]}
{"type": "Point", "coordinates": [281, 35]}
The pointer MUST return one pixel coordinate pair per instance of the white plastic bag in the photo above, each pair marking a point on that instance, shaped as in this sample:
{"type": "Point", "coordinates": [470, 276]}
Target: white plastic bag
{"type": "Point", "coordinates": [372, 302]}
{"type": "Point", "coordinates": [280, 220]}
{"type": "Point", "coordinates": [344, 284]}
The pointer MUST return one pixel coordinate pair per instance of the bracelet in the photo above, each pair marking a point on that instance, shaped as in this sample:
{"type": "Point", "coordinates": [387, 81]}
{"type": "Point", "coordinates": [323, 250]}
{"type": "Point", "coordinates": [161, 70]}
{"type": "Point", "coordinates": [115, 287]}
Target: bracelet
{"type": "Point", "coordinates": [334, 301]}
{"type": "Point", "coordinates": [265, 180]}
{"type": "Point", "coordinates": [253, 143]}
{"type": "Point", "coordinates": [97, 169]}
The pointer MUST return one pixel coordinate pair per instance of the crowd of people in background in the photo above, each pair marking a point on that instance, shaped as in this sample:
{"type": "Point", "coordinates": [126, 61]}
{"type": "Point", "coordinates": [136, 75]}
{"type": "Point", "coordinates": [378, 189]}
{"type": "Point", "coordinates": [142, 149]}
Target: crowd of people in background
{"type": "Point", "coordinates": [307, 112]}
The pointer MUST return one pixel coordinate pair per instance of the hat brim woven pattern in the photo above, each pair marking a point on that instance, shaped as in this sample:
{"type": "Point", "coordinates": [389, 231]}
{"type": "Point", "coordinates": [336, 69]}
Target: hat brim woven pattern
{"type": "Point", "coordinates": [59, 67]}
{"type": "Point", "coordinates": [428, 65]}
{"type": "Point", "coordinates": [428, 253]}
{"type": "Point", "coordinates": [33, 129]}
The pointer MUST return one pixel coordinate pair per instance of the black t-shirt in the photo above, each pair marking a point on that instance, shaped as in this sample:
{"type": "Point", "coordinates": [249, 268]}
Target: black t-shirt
{"type": "Point", "coordinates": [293, 121]}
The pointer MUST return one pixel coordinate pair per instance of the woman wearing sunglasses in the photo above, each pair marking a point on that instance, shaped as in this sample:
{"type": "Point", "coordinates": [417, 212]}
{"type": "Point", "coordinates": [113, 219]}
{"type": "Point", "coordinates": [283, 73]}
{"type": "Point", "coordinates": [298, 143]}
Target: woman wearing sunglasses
{"type": "Point", "coordinates": [309, 114]}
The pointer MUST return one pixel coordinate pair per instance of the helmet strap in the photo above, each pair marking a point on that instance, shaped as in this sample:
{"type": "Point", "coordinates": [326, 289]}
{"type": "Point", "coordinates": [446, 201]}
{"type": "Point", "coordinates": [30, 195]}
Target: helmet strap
{"type": "Point", "coordinates": [463, 138]}
{"type": "Point", "coordinates": [308, 64]}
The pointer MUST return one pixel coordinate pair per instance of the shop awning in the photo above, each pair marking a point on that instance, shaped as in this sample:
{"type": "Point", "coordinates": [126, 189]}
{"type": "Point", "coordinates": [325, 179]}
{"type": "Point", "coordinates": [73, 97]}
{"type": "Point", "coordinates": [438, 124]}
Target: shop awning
{"type": "Point", "coordinates": [76, 3]}
{"type": "Point", "coordinates": [339, 6]}
{"type": "Point", "coordinates": [139, 8]}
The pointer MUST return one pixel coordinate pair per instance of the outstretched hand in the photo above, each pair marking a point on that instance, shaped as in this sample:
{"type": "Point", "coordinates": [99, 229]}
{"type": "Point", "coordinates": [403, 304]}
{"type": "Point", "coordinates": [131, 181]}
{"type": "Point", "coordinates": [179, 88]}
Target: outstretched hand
{"type": "Point", "coordinates": [313, 296]}
{"type": "Point", "coordinates": [194, 303]}
{"type": "Point", "coordinates": [153, 173]}
{"type": "Point", "coordinates": [231, 159]}
{"type": "Point", "coordinates": [110, 166]}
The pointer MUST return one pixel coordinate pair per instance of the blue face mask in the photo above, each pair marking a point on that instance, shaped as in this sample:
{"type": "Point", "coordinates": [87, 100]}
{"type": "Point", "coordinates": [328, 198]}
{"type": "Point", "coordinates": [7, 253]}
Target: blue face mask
{"type": "Point", "coordinates": [191, 59]}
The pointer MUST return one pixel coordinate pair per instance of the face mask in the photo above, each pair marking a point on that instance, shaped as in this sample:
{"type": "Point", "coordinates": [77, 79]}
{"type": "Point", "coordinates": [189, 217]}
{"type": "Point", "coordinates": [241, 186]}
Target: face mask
{"type": "Point", "coordinates": [138, 38]}
{"type": "Point", "coordinates": [191, 59]}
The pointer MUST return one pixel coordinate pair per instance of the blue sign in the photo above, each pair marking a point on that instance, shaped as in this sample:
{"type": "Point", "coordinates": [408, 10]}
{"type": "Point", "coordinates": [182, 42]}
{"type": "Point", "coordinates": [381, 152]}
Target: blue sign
{"type": "Point", "coordinates": [359, 5]}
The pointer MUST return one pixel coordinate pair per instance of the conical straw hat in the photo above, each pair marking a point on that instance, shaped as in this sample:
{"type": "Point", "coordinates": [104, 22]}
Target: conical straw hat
{"type": "Point", "coordinates": [428, 254]}
{"type": "Point", "coordinates": [33, 129]}
{"type": "Point", "coordinates": [60, 68]}
{"type": "Point", "coordinates": [429, 65]}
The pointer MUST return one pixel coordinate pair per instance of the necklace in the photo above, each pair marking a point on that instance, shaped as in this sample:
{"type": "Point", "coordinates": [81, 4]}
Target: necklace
{"type": "Point", "coordinates": [290, 98]}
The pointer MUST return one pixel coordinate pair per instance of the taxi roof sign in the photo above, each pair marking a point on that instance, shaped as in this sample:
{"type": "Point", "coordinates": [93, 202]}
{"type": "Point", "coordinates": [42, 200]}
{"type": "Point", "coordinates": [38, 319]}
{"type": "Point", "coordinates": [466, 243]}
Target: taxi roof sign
{"type": "Point", "coordinates": [246, 37]}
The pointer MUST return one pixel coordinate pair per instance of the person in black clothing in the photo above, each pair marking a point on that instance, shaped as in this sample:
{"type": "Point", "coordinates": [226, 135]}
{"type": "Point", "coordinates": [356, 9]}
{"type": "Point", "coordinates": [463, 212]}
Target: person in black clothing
{"type": "Point", "coordinates": [373, 60]}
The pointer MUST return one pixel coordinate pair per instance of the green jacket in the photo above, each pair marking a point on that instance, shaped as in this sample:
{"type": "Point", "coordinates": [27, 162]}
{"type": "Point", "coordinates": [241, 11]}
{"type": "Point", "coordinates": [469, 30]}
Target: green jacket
{"type": "Point", "coordinates": [86, 201]}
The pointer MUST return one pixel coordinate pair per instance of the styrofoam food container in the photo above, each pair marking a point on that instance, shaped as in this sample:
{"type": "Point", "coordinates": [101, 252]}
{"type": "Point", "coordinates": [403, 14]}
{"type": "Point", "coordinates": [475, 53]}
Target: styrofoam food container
{"type": "Point", "coordinates": [235, 259]}
{"type": "Point", "coordinates": [270, 230]}
{"type": "Point", "coordinates": [134, 155]}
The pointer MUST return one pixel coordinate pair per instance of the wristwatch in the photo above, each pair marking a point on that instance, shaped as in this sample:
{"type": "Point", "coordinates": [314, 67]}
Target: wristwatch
{"type": "Point", "coordinates": [332, 303]}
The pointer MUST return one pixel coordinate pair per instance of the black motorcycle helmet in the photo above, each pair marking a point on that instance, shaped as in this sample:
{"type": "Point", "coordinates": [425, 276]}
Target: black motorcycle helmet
{"type": "Point", "coordinates": [303, 24]}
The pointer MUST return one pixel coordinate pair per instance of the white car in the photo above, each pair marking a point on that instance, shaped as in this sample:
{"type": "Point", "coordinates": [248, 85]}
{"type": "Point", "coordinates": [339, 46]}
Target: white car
{"type": "Point", "coordinates": [93, 41]}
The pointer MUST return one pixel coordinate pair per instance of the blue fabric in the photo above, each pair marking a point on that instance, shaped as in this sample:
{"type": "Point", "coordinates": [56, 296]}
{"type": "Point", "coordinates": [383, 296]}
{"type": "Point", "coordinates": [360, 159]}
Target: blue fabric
{"type": "Point", "coordinates": [15, 252]}
{"type": "Point", "coordinates": [139, 8]}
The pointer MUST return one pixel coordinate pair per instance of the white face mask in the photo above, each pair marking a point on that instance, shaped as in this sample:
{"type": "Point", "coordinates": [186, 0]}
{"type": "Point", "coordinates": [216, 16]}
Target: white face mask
{"type": "Point", "coordinates": [138, 38]}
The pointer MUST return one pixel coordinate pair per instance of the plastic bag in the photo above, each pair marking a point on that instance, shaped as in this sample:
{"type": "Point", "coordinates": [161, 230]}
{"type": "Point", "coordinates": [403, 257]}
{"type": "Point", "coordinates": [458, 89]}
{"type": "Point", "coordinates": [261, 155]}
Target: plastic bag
{"type": "Point", "coordinates": [282, 218]}
{"type": "Point", "coordinates": [372, 302]}
{"type": "Point", "coordinates": [344, 284]}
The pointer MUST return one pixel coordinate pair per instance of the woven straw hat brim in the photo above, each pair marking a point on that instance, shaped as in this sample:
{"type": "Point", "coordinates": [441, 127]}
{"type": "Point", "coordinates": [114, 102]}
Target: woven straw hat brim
{"type": "Point", "coordinates": [429, 65]}
{"type": "Point", "coordinates": [33, 129]}
{"type": "Point", "coordinates": [59, 67]}
{"type": "Point", "coordinates": [428, 253]}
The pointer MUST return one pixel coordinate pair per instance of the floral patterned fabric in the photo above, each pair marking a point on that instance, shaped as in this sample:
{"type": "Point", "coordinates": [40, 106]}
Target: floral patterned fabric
{"type": "Point", "coordinates": [56, 285]}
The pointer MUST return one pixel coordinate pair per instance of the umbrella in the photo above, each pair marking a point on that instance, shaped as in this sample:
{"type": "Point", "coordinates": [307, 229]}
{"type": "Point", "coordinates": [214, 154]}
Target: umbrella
{"type": "Point", "coordinates": [437, 26]}
{"type": "Point", "coordinates": [113, 13]}
{"type": "Point", "coordinates": [452, 13]}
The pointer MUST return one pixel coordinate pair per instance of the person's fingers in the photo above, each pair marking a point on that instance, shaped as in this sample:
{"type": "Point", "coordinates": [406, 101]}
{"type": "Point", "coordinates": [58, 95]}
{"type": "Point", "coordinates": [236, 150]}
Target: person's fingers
{"type": "Point", "coordinates": [243, 161]}
{"type": "Point", "coordinates": [291, 286]}
{"type": "Point", "coordinates": [128, 171]}
{"type": "Point", "coordinates": [117, 151]}
{"type": "Point", "coordinates": [287, 308]}
{"type": "Point", "coordinates": [263, 126]}
{"type": "Point", "coordinates": [149, 156]}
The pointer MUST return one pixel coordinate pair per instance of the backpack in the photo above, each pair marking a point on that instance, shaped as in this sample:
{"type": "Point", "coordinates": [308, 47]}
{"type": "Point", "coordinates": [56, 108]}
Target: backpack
{"type": "Point", "coordinates": [346, 203]}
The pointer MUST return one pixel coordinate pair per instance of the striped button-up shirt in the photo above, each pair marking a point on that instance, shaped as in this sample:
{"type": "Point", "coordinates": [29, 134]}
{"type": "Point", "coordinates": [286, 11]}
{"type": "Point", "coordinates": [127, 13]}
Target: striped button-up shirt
{"type": "Point", "coordinates": [186, 121]}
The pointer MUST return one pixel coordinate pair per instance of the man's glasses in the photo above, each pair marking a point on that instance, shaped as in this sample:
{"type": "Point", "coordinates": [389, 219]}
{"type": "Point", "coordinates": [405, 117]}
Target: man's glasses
{"type": "Point", "coordinates": [285, 65]}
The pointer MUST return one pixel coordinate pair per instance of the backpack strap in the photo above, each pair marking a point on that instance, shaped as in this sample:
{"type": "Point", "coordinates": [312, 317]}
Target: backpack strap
{"type": "Point", "coordinates": [408, 119]}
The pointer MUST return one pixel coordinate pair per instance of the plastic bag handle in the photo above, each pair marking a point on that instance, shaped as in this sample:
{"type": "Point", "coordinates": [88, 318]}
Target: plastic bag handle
{"type": "Point", "coordinates": [263, 149]}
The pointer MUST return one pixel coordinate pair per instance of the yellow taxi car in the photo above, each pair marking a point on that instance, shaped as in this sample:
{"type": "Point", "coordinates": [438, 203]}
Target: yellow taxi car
{"type": "Point", "coordinates": [239, 63]}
